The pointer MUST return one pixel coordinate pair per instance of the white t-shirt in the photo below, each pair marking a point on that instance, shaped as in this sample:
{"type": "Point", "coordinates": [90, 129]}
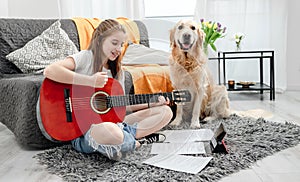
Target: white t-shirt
{"type": "Point", "coordinates": [84, 65]}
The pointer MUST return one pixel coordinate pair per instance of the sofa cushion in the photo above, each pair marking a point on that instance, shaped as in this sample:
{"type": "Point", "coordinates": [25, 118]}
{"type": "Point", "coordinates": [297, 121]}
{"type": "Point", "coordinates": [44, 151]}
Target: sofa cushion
{"type": "Point", "coordinates": [52, 45]}
{"type": "Point", "coordinates": [140, 54]}
{"type": "Point", "coordinates": [15, 33]}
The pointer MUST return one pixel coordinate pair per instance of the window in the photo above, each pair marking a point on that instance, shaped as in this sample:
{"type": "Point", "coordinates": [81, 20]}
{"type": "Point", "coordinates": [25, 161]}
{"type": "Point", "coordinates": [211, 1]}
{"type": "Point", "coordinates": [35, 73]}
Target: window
{"type": "Point", "coordinates": [170, 9]}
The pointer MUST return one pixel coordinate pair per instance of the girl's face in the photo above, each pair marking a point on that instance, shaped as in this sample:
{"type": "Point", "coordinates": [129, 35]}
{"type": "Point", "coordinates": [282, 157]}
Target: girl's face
{"type": "Point", "coordinates": [112, 45]}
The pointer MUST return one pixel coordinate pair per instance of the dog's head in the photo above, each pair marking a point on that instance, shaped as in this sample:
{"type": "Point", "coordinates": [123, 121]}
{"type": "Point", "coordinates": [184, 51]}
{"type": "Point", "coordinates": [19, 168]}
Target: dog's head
{"type": "Point", "coordinates": [186, 35]}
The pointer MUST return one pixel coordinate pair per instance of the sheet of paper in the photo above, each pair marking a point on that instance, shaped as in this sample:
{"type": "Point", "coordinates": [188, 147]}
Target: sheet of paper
{"type": "Point", "coordinates": [182, 163]}
{"type": "Point", "coordinates": [183, 136]}
{"type": "Point", "coordinates": [178, 148]}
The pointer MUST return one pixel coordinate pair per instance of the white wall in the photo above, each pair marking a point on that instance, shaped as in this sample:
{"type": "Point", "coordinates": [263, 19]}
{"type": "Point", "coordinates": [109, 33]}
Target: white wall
{"type": "Point", "coordinates": [3, 8]}
{"type": "Point", "coordinates": [293, 41]}
{"type": "Point", "coordinates": [29, 8]}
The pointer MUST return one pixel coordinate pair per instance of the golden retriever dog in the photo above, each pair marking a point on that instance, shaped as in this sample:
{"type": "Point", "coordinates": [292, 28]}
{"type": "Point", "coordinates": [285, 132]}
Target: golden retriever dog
{"type": "Point", "coordinates": [188, 70]}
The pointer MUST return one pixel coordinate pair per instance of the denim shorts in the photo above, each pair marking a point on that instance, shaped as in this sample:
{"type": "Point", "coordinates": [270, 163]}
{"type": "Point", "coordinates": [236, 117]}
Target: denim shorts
{"type": "Point", "coordinates": [86, 144]}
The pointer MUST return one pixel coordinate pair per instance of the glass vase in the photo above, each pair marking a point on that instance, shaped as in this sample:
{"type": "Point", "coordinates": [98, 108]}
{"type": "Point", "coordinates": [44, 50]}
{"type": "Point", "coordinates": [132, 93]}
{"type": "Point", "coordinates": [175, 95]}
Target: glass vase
{"type": "Point", "coordinates": [205, 48]}
{"type": "Point", "coordinates": [238, 47]}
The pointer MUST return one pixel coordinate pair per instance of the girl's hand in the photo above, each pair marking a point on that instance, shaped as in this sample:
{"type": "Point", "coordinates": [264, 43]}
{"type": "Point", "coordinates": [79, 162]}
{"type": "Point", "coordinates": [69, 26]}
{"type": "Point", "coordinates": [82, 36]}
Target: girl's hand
{"type": "Point", "coordinates": [100, 79]}
{"type": "Point", "coordinates": [161, 101]}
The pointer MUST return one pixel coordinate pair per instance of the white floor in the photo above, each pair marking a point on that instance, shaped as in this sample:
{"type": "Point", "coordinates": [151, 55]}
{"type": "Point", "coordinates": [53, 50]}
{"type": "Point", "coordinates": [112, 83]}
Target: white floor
{"type": "Point", "coordinates": [17, 164]}
{"type": "Point", "coordinates": [284, 165]}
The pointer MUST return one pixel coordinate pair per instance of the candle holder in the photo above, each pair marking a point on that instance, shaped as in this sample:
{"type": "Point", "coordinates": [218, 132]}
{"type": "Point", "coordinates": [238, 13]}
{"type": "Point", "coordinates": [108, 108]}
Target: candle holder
{"type": "Point", "coordinates": [231, 84]}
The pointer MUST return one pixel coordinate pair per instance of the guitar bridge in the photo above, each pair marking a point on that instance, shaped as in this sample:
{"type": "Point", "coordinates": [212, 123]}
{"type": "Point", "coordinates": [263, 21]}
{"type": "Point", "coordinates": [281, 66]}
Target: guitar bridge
{"type": "Point", "coordinates": [68, 105]}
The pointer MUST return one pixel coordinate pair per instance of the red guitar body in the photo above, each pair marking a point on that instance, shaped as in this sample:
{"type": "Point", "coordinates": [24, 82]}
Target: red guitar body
{"type": "Point", "coordinates": [67, 111]}
{"type": "Point", "coordinates": [62, 123]}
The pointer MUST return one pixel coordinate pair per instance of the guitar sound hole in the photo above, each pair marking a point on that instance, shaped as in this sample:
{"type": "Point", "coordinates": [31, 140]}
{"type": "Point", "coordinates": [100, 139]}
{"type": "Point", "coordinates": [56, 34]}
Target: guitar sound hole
{"type": "Point", "coordinates": [100, 103]}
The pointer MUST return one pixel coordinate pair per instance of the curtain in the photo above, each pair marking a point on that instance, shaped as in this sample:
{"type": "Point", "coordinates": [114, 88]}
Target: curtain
{"type": "Point", "coordinates": [264, 23]}
{"type": "Point", "coordinates": [133, 9]}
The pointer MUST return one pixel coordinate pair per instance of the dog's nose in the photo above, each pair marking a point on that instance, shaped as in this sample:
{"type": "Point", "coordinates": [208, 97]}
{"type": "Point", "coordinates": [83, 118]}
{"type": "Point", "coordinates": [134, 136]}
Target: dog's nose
{"type": "Point", "coordinates": [186, 37]}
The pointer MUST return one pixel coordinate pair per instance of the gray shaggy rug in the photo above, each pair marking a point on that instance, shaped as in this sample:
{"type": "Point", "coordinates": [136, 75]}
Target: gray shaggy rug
{"type": "Point", "coordinates": [247, 139]}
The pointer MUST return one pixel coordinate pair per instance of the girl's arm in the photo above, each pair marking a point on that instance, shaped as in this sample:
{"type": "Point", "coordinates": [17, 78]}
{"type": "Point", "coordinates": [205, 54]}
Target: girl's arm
{"type": "Point", "coordinates": [63, 71]}
{"type": "Point", "coordinates": [136, 107]}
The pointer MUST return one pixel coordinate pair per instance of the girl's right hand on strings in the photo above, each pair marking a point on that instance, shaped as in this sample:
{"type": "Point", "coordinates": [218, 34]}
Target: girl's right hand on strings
{"type": "Point", "coordinates": [100, 79]}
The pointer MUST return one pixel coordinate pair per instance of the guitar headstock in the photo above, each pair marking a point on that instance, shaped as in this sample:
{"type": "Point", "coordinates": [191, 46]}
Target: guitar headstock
{"type": "Point", "coordinates": [181, 96]}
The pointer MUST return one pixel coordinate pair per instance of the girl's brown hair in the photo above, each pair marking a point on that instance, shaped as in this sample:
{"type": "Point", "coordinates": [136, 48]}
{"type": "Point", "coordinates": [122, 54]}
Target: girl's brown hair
{"type": "Point", "coordinates": [105, 29]}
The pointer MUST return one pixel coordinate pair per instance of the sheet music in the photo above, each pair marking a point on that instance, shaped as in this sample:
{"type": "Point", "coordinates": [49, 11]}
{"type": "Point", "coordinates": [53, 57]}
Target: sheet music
{"type": "Point", "coordinates": [184, 136]}
{"type": "Point", "coordinates": [182, 163]}
{"type": "Point", "coordinates": [178, 148]}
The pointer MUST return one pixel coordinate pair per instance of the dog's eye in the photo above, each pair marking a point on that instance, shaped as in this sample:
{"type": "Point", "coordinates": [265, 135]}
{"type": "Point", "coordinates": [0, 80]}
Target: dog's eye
{"type": "Point", "coordinates": [193, 27]}
{"type": "Point", "coordinates": [180, 27]}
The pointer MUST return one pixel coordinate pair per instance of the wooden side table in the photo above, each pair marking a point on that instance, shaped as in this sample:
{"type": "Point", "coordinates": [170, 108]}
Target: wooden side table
{"type": "Point", "coordinates": [261, 56]}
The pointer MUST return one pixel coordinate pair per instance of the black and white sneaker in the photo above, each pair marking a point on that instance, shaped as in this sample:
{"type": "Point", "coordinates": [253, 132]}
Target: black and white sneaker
{"type": "Point", "coordinates": [153, 138]}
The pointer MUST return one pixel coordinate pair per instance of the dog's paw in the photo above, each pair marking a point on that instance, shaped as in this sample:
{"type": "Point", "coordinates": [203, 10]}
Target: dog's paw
{"type": "Point", "coordinates": [176, 122]}
{"type": "Point", "coordinates": [195, 124]}
{"type": "Point", "coordinates": [209, 118]}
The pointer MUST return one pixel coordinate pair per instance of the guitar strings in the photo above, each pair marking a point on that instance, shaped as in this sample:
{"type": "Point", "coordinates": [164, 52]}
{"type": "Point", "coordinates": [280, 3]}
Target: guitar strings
{"type": "Point", "coordinates": [114, 101]}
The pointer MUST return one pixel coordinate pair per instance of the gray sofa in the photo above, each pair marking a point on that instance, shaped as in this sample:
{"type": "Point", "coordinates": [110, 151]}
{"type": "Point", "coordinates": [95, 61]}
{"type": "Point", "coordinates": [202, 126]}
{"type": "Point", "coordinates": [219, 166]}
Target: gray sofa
{"type": "Point", "coordinates": [19, 91]}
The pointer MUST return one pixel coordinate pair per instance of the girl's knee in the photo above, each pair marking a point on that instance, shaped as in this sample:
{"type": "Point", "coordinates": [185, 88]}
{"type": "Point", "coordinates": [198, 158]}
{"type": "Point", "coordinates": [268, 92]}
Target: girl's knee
{"type": "Point", "coordinates": [107, 133]}
{"type": "Point", "coordinates": [168, 113]}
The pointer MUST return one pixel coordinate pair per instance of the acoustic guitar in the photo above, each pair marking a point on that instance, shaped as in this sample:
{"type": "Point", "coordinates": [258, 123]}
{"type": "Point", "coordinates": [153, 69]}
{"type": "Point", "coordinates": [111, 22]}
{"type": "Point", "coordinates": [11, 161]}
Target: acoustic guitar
{"type": "Point", "coordinates": [68, 110]}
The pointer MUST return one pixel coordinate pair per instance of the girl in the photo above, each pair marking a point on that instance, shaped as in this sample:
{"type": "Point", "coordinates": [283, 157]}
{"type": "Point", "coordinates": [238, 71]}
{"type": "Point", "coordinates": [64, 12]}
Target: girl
{"type": "Point", "coordinates": [92, 67]}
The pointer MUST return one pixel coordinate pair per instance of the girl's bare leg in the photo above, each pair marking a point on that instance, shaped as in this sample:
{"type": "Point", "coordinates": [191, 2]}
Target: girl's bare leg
{"type": "Point", "coordinates": [150, 120]}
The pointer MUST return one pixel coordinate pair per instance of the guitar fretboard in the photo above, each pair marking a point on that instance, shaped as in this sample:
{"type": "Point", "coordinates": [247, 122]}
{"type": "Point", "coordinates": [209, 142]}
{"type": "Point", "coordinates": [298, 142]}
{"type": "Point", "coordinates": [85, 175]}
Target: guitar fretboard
{"type": "Point", "coordinates": [114, 101]}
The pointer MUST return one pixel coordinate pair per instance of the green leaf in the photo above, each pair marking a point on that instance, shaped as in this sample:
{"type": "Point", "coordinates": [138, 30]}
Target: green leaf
{"type": "Point", "coordinates": [215, 35]}
{"type": "Point", "coordinates": [213, 47]}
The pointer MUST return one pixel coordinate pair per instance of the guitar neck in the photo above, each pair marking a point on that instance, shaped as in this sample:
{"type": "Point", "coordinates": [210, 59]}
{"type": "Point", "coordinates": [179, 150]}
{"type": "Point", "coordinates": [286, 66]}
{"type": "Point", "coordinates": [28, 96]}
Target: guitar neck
{"type": "Point", "coordinates": [114, 101]}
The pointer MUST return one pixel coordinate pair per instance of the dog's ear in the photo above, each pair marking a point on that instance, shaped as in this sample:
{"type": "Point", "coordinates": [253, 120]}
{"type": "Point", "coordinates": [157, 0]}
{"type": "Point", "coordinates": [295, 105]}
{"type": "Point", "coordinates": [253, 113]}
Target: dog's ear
{"type": "Point", "coordinates": [172, 39]}
{"type": "Point", "coordinates": [201, 37]}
